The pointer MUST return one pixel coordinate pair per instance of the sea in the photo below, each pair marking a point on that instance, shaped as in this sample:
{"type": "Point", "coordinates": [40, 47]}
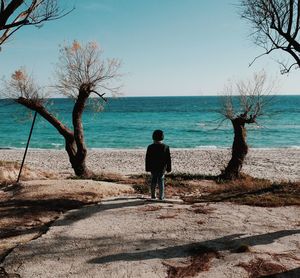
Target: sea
{"type": "Point", "coordinates": [128, 123]}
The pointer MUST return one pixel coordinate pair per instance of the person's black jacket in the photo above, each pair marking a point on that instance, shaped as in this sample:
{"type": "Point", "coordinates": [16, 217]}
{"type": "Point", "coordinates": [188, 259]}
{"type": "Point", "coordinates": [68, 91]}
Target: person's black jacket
{"type": "Point", "coordinates": [158, 158]}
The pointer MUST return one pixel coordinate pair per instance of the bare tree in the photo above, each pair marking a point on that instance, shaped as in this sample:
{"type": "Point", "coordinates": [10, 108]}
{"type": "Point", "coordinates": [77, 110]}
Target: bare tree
{"type": "Point", "coordinates": [15, 14]}
{"type": "Point", "coordinates": [252, 98]}
{"type": "Point", "coordinates": [276, 25]}
{"type": "Point", "coordinates": [80, 73]}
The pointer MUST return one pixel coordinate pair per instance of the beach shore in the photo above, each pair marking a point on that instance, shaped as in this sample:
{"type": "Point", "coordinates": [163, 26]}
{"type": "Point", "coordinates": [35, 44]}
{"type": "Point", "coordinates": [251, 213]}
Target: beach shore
{"type": "Point", "coordinates": [274, 164]}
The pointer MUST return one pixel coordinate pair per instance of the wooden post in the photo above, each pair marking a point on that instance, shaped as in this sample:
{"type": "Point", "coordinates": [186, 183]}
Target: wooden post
{"type": "Point", "coordinates": [28, 141]}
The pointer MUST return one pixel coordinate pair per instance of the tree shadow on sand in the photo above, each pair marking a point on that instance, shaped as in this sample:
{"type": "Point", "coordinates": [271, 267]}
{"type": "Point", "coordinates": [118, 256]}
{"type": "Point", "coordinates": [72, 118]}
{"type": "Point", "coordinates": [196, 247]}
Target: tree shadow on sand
{"type": "Point", "coordinates": [293, 273]}
{"type": "Point", "coordinates": [25, 217]}
{"type": "Point", "coordinates": [229, 242]}
{"type": "Point", "coordinates": [25, 214]}
{"type": "Point", "coordinates": [104, 205]}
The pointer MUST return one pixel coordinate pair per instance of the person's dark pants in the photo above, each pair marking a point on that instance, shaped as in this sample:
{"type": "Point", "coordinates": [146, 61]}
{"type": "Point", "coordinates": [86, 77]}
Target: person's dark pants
{"type": "Point", "coordinates": [158, 178]}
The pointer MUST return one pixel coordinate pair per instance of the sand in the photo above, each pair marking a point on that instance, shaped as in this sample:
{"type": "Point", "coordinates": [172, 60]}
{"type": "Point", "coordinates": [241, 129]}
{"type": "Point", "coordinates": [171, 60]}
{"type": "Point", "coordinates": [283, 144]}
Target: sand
{"type": "Point", "coordinates": [273, 164]}
{"type": "Point", "coordinates": [135, 238]}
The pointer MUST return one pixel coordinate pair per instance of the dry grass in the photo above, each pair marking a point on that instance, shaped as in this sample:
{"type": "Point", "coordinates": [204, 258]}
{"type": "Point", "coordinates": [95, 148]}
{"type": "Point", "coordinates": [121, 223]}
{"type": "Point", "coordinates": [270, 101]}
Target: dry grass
{"type": "Point", "coordinates": [9, 164]}
{"type": "Point", "coordinates": [201, 209]}
{"type": "Point", "coordinates": [4, 184]}
{"type": "Point", "coordinates": [117, 178]}
{"type": "Point", "coordinates": [167, 216]}
{"type": "Point", "coordinates": [199, 261]}
{"type": "Point", "coordinates": [140, 183]}
{"type": "Point", "coordinates": [175, 184]}
{"type": "Point", "coordinates": [178, 184]}
{"type": "Point", "coordinates": [141, 188]}
{"type": "Point", "coordinates": [252, 191]}
{"type": "Point", "coordinates": [246, 190]}
{"type": "Point", "coordinates": [109, 177]}
{"type": "Point", "coordinates": [277, 257]}
{"type": "Point", "coordinates": [260, 267]}
{"type": "Point", "coordinates": [151, 208]}
{"type": "Point", "coordinates": [9, 172]}
{"type": "Point", "coordinates": [200, 222]}
{"type": "Point", "coordinates": [189, 177]}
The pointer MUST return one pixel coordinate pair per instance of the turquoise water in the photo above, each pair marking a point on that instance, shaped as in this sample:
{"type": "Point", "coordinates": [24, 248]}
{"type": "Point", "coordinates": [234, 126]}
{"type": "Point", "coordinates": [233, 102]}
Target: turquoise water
{"type": "Point", "coordinates": [188, 122]}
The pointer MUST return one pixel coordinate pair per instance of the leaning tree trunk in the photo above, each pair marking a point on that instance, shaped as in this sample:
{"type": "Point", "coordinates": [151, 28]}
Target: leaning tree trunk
{"type": "Point", "coordinates": [78, 161]}
{"type": "Point", "coordinates": [74, 141]}
{"type": "Point", "coordinates": [239, 150]}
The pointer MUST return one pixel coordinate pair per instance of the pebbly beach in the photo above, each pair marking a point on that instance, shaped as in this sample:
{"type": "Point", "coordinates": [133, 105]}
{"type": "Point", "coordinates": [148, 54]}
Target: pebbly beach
{"type": "Point", "coordinates": [277, 164]}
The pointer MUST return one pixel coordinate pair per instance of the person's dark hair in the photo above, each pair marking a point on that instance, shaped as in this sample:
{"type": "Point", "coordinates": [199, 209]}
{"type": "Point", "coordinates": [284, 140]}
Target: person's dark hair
{"type": "Point", "coordinates": [158, 135]}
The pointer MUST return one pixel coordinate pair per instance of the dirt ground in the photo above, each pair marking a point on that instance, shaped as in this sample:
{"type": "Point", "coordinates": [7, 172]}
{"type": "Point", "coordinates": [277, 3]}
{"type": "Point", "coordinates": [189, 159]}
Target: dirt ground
{"type": "Point", "coordinates": [83, 228]}
{"type": "Point", "coordinates": [28, 209]}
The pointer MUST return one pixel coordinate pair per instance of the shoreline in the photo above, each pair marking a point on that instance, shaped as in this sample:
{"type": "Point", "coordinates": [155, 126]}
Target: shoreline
{"type": "Point", "coordinates": [274, 164]}
{"type": "Point", "coordinates": [206, 148]}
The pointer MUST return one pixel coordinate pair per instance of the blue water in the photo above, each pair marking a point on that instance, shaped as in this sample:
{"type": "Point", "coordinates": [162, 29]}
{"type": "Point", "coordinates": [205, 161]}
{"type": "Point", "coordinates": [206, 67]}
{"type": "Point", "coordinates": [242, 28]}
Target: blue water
{"type": "Point", "coordinates": [188, 122]}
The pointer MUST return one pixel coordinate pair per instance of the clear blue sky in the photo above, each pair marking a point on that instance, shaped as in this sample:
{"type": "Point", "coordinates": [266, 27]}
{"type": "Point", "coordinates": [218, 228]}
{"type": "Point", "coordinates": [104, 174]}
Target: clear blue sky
{"type": "Point", "coordinates": [167, 47]}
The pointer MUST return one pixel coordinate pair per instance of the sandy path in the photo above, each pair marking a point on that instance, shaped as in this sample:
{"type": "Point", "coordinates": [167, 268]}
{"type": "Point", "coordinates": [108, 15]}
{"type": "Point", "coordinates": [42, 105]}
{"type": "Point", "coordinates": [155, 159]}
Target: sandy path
{"type": "Point", "coordinates": [128, 238]}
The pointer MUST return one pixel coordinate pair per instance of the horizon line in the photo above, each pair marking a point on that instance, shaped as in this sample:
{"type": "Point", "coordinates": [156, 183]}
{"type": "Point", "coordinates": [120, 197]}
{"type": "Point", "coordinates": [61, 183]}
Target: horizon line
{"type": "Point", "coordinates": [202, 95]}
{"type": "Point", "coordinates": [124, 96]}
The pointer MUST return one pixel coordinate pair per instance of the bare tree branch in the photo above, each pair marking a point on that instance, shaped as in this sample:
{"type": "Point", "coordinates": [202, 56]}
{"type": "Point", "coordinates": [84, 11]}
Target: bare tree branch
{"type": "Point", "coordinates": [19, 13]}
{"type": "Point", "coordinates": [83, 64]}
{"type": "Point", "coordinates": [251, 97]}
{"type": "Point", "coordinates": [276, 25]}
{"type": "Point", "coordinates": [259, 56]}
{"type": "Point", "coordinates": [286, 68]}
{"type": "Point", "coordinates": [100, 95]}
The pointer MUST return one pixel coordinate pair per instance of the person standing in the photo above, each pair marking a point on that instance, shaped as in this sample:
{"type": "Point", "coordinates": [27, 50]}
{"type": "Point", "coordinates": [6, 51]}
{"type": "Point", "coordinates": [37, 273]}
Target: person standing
{"type": "Point", "coordinates": [158, 161]}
